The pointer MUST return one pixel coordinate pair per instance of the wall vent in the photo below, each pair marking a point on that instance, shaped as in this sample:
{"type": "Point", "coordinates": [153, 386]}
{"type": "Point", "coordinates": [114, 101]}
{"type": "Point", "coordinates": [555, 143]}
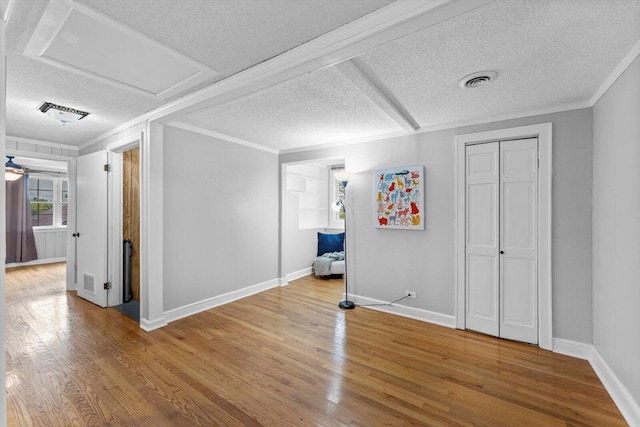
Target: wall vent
{"type": "Point", "coordinates": [89, 283]}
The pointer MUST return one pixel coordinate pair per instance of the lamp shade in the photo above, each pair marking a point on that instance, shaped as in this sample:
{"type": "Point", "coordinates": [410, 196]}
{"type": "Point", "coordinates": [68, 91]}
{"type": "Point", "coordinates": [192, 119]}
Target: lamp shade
{"type": "Point", "coordinates": [343, 177]}
{"type": "Point", "coordinates": [12, 171]}
{"type": "Point", "coordinates": [11, 176]}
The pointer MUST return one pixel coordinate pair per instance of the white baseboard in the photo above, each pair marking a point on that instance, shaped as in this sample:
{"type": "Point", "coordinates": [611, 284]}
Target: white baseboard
{"type": "Point", "coordinates": [298, 274]}
{"type": "Point", "coordinates": [200, 306]}
{"type": "Point", "coordinates": [573, 348]}
{"type": "Point", "coordinates": [35, 262]}
{"type": "Point", "coordinates": [282, 281]}
{"type": "Point", "coordinates": [406, 311]}
{"type": "Point", "coordinates": [150, 325]}
{"type": "Point", "coordinates": [618, 392]}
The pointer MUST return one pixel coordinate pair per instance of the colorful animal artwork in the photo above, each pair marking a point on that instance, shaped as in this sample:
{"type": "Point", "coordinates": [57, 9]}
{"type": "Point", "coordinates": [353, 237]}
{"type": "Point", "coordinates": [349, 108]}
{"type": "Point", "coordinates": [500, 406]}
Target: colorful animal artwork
{"type": "Point", "coordinates": [399, 197]}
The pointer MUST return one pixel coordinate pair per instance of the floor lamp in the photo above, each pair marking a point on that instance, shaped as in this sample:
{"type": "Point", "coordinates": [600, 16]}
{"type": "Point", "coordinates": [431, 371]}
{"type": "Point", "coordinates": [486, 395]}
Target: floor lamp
{"type": "Point", "coordinates": [343, 177]}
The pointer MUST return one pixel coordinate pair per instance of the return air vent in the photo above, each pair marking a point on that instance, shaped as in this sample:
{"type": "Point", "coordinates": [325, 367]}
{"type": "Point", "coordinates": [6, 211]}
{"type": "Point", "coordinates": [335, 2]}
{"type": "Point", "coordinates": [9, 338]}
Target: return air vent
{"type": "Point", "coordinates": [481, 78]}
{"type": "Point", "coordinates": [89, 283]}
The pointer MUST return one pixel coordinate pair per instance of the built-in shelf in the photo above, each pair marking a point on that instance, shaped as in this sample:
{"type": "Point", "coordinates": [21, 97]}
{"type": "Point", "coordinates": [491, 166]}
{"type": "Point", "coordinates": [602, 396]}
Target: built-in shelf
{"type": "Point", "coordinates": [310, 183]}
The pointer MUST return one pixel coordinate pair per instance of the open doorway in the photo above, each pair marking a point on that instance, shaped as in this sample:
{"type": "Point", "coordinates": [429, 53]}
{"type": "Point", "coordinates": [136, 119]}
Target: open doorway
{"type": "Point", "coordinates": [130, 215]}
{"type": "Point", "coordinates": [125, 236]}
{"type": "Point", "coordinates": [308, 191]}
{"type": "Point", "coordinates": [109, 208]}
{"type": "Point", "coordinates": [39, 203]}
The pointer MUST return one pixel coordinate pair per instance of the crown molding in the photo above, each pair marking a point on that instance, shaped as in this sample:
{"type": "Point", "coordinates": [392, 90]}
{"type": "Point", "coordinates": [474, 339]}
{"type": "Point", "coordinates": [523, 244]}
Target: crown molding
{"type": "Point", "coordinates": [446, 126]}
{"type": "Point", "coordinates": [6, 7]}
{"type": "Point", "coordinates": [43, 143]}
{"type": "Point", "coordinates": [380, 27]}
{"type": "Point", "coordinates": [617, 72]}
{"type": "Point", "coordinates": [221, 136]}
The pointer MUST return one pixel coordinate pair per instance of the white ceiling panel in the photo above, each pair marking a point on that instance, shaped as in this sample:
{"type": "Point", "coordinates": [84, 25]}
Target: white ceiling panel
{"type": "Point", "coordinates": [320, 107]}
{"type": "Point", "coordinates": [547, 53]}
{"type": "Point", "coordinates": [230, 36]}
{"type": "Point", "coordinates": [82, 41]}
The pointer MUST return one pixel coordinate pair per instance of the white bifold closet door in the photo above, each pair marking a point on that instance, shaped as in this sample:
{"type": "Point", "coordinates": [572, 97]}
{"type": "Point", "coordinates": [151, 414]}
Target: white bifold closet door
{"type": "Point", "coordinates": [501, 239]}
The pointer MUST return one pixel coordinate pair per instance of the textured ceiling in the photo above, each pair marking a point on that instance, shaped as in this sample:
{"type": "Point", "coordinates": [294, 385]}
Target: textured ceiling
{"type": "Point", "coordinates": [229, 36]}
{"type": "Point", "coordinates": [546, 53]}
{"type": "Point", "coordinates": [316, 108]}
{"type": "Point", "coordinates": [549, 54]}
{"type": "Point", "coordinates": [234, 35]}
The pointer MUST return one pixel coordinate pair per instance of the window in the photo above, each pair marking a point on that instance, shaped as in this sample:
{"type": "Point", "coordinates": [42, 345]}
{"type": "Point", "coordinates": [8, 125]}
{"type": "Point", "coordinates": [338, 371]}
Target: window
{"type": "Point", "coordinates": [336, 193]}
{"type": "Point", "coordinates": [49, 198]}
{"type": "Point", "coordinates": [64, 200]}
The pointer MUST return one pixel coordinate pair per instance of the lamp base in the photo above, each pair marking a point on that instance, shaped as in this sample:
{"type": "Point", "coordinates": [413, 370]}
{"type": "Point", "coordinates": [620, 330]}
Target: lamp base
{"type": "Point", "coordinates": [347, 305]}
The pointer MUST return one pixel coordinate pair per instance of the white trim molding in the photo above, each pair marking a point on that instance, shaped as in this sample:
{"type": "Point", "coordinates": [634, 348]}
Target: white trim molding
{"type": "Point", "coordinates": [617, 72]}
{"type": "Point", "coordinates": [298, 274]}
{"type": "Point", "coordinates": [405, 311]}
{"type": "Point", "coordinates": [572, 348]}
{"type": "Point", "coordinates": [545, 307]}
{"type": "Point", "coordinates": [221, 136]}
{"type": "Point", "coordinates": [35, 262]}
{"type": "Point", "coordinates": [43, 143]}
{"type": "Point", "coordinates": [207, 304]}
{"type": "Point", "coordinates": [621, 397]}
{"type": "Point", "coordinates": [148, 326]}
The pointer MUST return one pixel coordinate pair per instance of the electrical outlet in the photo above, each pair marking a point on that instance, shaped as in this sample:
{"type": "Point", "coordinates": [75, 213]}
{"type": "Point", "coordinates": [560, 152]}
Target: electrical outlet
{"type": "Point", "coordinates": [410, 294]}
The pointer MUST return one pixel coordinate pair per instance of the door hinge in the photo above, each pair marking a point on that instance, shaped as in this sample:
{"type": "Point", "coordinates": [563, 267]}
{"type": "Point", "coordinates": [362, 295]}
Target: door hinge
{"type": "Point", "coordinates": [107, 168]}
{"type": "Point", "coordinates": [107, 285]}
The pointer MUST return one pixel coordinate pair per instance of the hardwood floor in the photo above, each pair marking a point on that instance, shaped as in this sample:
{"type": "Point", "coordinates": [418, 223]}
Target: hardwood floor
{"type": "Point", "coordinates": [285, 357]}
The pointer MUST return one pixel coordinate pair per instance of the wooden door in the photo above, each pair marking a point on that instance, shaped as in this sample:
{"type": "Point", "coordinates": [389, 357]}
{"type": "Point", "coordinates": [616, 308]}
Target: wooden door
{"type": "Point", "coordinates": [131, 213]}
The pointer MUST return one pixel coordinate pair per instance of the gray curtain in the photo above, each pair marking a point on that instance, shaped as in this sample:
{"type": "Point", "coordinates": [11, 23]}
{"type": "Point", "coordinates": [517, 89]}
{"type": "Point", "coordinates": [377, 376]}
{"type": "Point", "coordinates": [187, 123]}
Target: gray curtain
{"type": "Point", "coordinates": [21, 246]}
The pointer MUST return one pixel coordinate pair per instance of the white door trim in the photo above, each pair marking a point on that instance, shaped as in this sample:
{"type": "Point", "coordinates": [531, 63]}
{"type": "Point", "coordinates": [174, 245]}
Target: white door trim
{"type": "Point", "coordinates": [544, 134]}
{"type": "Point", "coordinates": [117, 148]}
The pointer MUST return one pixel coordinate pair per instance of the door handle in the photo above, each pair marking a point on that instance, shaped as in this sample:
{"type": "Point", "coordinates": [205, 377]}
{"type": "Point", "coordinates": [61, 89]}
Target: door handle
{"type": "Point", "coordinates": [76, 234]}
{"type": "Point", "coordinates": [501, 252]}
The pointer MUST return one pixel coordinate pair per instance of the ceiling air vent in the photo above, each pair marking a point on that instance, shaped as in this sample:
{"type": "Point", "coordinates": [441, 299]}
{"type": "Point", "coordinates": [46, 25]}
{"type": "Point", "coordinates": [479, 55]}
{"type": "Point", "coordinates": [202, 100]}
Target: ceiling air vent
{"type": "Point", "coordinates": [481, 78]}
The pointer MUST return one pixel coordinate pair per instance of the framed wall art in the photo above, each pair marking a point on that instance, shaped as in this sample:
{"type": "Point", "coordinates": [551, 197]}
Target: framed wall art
{"type": "Point", "coordinates": [399, 197]}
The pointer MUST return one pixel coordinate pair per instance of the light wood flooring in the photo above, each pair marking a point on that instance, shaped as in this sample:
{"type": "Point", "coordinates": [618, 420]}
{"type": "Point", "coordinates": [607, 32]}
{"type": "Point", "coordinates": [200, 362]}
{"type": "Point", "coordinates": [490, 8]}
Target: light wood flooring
{"type": "Point", "coordinates": [285, 357]}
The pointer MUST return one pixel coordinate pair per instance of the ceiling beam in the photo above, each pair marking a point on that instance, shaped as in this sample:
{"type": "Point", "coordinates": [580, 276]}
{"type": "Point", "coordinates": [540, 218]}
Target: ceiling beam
{"type": "Point", "coordinates": [369, 84]}
{"type": "Point", "coordinates": [380, 27]}
{"type": "Point", "coordinates": [6, 7]}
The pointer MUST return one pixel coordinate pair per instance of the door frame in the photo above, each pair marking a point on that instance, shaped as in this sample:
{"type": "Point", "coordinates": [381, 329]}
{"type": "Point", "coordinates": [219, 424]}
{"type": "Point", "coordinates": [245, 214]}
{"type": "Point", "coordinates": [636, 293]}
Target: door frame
{"type": "Point", "coordinates": [543, 132]}
{"type": "Point", "coordinates": [117, 148]}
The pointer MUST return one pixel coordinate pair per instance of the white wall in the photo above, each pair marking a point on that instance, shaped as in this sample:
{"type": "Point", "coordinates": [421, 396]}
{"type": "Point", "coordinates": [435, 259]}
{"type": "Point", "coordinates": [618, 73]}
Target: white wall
{"type": "Point", "coordinates": [616, 228]}
{"type": "Point", "coordinates": [220, 217]}
{"type": "Point", "coordinates": [51, 243]}
{"type": "Point", "coordinates": [388, 262]}
{"type": "Point", "coordinates": [3, 249]}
